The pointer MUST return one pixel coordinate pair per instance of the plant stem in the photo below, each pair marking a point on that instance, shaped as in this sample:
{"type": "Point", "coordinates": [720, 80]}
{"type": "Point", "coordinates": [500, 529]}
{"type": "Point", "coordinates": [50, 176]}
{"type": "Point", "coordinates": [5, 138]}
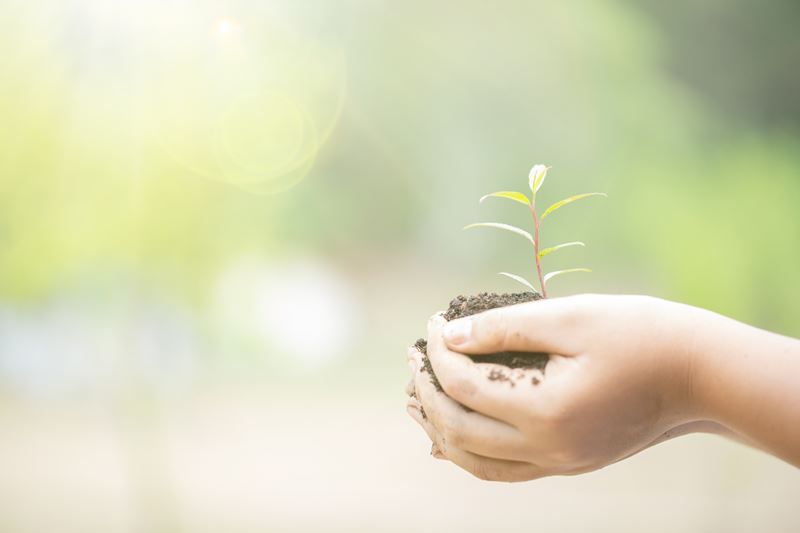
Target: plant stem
{"type": "Point", "coordinates": [536, 247]}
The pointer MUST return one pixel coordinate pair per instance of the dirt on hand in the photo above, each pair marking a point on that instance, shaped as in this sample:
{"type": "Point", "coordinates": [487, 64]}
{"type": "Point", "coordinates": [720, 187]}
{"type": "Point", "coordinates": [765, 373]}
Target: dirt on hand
{"type": "Point", "coordinates": [462, 306]}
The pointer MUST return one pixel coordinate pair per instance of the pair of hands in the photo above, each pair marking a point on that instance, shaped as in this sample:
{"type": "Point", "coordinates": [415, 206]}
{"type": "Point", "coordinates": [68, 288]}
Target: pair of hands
{"type": "Point", "coordinates": [622, 376]}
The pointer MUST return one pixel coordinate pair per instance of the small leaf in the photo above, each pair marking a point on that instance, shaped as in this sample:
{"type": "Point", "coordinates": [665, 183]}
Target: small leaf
{"type": "Point", "coordinates": [551, 275]}
{"type": "Point", "coordinates": [558, 247]}
{"type": "Point", "coordinates": [569, 200]}
{"type": "Point", "coordinates": [519, 279]}
{"type": "Point", "coordinates": [536, 177]}
{"type": "Point", "coordinates": [506, 227]}
{"type": "Point", "coordinates": [511, 195]}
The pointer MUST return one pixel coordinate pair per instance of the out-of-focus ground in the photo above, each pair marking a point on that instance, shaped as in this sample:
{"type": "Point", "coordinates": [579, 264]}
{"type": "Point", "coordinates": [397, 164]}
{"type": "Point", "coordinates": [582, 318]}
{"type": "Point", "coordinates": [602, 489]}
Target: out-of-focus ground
{"type": "Point", "coordinates": [246, 461]}
{"type": "Point", "coordinates": [320, 449]}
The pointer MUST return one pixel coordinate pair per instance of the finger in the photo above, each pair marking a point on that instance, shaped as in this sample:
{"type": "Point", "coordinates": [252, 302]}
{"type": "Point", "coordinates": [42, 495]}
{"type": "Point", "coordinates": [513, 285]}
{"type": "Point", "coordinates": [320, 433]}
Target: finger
{"type": "Point", "coordinates": [488, 469]}
{"type": "Point", "coordinates": [415, 411]}
{"type": "Point", "coordinates": [546, 326]}
{"type": "Point", "coordinates": [484, 468]}
{"type": "Point", "coordinates": [471, 384]}
{"type": "Point", "coordinates": [411, 352]}
{"type": "Point", "coordinates": [410, 388]}
{"type": "Point", "coordinates": [469, 430]}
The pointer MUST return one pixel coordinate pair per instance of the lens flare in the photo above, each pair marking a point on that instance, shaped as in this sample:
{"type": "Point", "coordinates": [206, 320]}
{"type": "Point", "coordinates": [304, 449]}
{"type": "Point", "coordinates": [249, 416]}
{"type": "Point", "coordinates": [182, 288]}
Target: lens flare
{"type": "Point", "coordinates": [252, 109]}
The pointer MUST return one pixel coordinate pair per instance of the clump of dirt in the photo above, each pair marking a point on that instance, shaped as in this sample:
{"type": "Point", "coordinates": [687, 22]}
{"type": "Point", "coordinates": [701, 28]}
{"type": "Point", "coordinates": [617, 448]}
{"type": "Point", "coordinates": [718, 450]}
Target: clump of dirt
{"type": "Point", "coordinates": [462, 306]}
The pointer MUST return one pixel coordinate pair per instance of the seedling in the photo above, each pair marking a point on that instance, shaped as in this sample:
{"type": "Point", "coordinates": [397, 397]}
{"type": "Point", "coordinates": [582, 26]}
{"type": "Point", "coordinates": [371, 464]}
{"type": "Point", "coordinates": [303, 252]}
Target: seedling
{"type": "Point", "coordinates": [535, 180]}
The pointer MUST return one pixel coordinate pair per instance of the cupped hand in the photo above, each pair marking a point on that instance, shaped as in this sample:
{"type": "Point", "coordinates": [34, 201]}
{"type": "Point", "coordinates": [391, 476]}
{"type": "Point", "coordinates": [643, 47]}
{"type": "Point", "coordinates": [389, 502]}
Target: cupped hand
{"type": "Point", "coordinates": [619, 380]}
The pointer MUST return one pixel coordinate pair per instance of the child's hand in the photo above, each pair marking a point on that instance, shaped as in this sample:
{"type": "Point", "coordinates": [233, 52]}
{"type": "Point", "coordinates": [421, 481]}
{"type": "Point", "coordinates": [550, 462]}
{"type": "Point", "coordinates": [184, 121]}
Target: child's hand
{"type": "Point", "coordinates": [621, 378]}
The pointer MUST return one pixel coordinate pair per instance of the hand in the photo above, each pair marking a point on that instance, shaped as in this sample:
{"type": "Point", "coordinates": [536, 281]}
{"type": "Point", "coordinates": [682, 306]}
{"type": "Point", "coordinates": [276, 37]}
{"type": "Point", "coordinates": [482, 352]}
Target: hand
{"type": "Point", "coordinates": [619, 379]}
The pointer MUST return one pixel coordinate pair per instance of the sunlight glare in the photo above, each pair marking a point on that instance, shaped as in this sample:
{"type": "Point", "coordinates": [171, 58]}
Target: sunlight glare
{"type": "Point", "coordinates": [226, 26]}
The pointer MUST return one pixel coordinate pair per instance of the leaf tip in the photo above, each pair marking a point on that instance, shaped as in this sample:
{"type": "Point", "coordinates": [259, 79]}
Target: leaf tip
{"type": "Point", "coordinates": [536, 177]}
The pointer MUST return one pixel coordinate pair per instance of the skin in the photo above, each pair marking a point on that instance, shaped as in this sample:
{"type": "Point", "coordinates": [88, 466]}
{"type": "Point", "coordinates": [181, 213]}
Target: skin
{"type": "Point", "coordinates": [625, 373]}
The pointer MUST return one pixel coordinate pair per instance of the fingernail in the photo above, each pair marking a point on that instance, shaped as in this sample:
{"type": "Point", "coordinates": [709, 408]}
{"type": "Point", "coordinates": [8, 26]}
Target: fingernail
{"type": "Point", "coordinates": [436, 319]}
{"type": "Point", "coordinates": [457, 331]}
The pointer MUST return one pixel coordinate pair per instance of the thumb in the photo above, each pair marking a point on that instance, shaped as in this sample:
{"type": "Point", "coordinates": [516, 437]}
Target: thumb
{"type": "Point", "coordinates": [540, 326]}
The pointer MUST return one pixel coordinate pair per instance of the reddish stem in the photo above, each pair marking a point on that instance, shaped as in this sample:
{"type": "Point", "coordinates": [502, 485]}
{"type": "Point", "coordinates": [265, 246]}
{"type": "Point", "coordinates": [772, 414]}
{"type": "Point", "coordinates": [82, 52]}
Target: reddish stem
{"type": "Point", "coordinates": [536, 247]}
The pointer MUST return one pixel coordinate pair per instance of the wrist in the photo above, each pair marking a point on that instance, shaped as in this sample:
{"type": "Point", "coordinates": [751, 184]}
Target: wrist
{"type": "Point", "coordinates": [704, 347]}
{"type": "Point", "coordinates": [685, 333]}
{"type": "Point", "coordinates": [736, 367]}
{"type": "Point", "coordinates": [746, 380]}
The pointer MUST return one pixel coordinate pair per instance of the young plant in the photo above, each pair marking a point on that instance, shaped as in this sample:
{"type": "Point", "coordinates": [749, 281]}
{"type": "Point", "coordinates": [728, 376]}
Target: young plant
{"type": "Point", "coordinates": [535, 180]}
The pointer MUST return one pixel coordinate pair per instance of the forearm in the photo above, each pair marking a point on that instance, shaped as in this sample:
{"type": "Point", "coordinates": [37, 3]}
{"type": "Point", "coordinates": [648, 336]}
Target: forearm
{"type": "Point", "coordinates": [748, 380]}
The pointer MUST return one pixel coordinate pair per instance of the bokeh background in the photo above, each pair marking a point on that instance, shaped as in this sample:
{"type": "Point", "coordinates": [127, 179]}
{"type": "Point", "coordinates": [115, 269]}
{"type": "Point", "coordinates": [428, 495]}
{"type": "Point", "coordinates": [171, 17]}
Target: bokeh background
{"type": "Point", "coordinates": [221, 224]}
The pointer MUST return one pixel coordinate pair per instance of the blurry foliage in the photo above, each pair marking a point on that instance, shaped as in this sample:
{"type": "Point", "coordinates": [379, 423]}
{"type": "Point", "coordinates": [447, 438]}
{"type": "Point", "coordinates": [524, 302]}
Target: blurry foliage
{"type": "Point", "coordinates": [739, 57]}
{"type": "Point", "coordinates": [619, 96]}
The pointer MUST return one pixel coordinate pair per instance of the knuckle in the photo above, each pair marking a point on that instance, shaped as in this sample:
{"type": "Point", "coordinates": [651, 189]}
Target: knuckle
{"type": "Point", "coordinates": [575, 458]}
{"type": "Point", "coordinates": [449, 428]}
{"type": "Point", "coordinates": [486, 472]}
{"type": "Point", "coordinates": [519, 475]}
{"type": "Point", "coordinates": [554, 414]}
{"type": "Point", "coordinates": [480, 471]}
{"type": "Point", "coordinates": [441, 444]}
{"type": "Point", "coordinates": [565, 456]}
{"type": "Point", "coordinates": [564, 451]}
{"type": "Point", "coordinates": [457, 386]}
{"type": "Point", "coordinates": [570, 318]}
{"type": "Point", "coordinates": [493, 330]}
{"type": "Point", "coordinates": [452, 435]}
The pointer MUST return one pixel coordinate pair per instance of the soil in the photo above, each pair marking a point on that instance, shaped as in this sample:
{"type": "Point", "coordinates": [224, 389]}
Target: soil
{"type": "Point", "coordinates": [462, 306]}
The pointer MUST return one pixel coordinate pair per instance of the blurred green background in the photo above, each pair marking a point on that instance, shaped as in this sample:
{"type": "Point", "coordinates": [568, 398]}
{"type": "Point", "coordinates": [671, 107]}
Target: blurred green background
{"type": "Point", "coordinates": [222, 222]}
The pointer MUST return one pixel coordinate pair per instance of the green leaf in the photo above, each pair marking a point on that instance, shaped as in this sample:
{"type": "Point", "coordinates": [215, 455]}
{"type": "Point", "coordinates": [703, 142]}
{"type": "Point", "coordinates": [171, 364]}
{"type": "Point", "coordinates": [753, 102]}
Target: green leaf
{"type": "Point", "coordinates": [558, 247]}
{"type": "Point", "coordinates": [506, 227]}
{"type": "Point", "coordinates": [551, 275]}
{"type": "Point", "coordinates": [519, 279]}
{"type": "Point", "coordinates": [511, 195]}
{"type": "Point", "coordinates": [536, 178]}
{"type": "Point", "coordinates": [569, 200]}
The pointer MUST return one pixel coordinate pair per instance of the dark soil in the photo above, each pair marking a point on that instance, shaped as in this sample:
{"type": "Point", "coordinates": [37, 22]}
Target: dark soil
{"type": "Point", "coordinates": [462, 306]}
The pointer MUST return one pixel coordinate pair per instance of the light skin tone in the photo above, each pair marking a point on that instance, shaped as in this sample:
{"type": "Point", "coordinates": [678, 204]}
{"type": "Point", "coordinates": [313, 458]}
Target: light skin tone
{"type": "Point", "coordinates": [625, 373]}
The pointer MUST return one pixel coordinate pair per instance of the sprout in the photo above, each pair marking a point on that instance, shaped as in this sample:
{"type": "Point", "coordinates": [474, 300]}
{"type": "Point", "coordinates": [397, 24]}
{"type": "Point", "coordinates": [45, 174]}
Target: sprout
{"type": "Point", "coordinates": [536, 178]}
